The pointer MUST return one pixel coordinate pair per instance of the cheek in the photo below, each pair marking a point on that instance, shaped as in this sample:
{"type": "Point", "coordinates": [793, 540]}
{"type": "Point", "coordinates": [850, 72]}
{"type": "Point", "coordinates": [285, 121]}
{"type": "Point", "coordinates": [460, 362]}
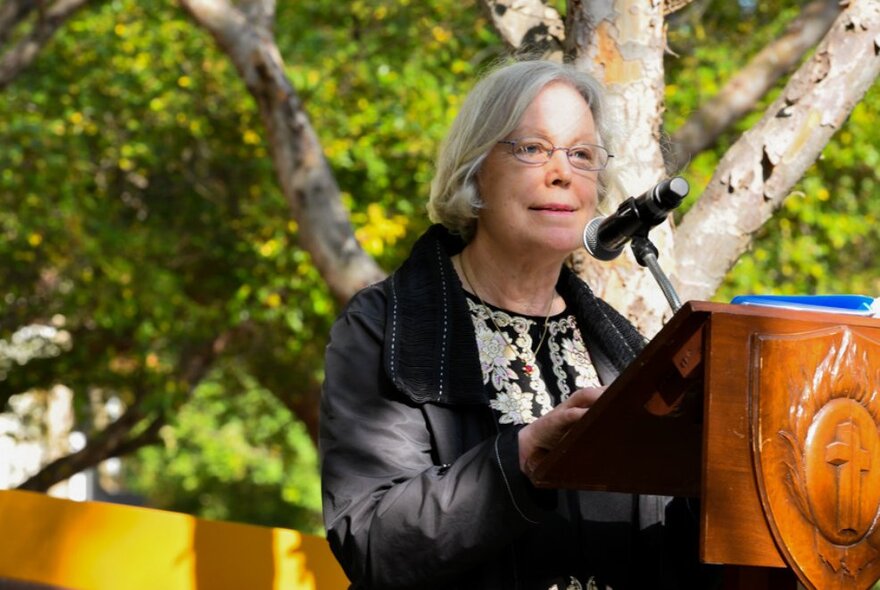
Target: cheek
{"type": "Point", "coordinates": [590, 193]}
{"type": "Point", "coordinates": [500, 189]}
{"type": "Point", "coordinates": [490, 187]}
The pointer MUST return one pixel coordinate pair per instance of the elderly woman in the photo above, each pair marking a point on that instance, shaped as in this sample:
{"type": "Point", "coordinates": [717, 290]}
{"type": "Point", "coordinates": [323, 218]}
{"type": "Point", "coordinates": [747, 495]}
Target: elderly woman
{"type": "Point", "coordinates": [447, 382]}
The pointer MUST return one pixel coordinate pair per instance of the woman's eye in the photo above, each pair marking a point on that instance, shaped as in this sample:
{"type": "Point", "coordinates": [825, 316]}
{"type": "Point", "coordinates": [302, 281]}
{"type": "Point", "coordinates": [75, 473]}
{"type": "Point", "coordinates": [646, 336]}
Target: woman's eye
{"type": "Point", "coordinates": [531, 149]}
{"type": "Point", "coordinates": [583, 154]}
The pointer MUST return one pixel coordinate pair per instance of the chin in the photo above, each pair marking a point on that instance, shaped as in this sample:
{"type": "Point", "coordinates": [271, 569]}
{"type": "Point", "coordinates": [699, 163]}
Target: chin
{"type": "Point", "coordinates": [563, 243]}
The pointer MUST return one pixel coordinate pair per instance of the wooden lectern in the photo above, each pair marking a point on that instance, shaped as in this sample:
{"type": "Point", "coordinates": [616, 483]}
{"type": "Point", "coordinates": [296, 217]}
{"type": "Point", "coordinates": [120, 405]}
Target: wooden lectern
{"type": "Point", "coordinates": [771, 417]}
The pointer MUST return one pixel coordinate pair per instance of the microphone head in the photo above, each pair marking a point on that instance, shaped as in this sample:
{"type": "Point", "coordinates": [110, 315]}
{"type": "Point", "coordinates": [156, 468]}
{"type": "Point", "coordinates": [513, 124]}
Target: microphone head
{"type": "Point", "coordinates": [591, 242]}
{"type": "Point", "coordinates": [672, 192]}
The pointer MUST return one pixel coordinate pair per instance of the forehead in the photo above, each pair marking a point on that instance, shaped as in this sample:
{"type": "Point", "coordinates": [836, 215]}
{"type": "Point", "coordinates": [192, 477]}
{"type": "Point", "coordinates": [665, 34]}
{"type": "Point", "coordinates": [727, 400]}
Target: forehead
{"type": "Point", "coordinates": [558, 109]}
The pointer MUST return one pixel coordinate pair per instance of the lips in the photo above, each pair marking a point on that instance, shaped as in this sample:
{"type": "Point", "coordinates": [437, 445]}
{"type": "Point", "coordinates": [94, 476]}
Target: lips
{"type": "Point", "coordinates": [553, 207]}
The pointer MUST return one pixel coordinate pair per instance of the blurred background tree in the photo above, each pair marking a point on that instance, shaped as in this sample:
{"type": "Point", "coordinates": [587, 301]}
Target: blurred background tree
{"type": "Point", "coordinates": [143, 217]}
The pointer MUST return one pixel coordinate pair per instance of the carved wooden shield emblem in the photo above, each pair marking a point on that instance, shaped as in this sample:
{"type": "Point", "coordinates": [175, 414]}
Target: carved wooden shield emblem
{"type": "Point", "coordinates": [815, 404]}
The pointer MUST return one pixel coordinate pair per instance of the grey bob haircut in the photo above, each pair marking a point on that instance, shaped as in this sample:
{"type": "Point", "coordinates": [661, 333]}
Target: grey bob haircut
{"type": "Point", "coordinates": [491, 111]}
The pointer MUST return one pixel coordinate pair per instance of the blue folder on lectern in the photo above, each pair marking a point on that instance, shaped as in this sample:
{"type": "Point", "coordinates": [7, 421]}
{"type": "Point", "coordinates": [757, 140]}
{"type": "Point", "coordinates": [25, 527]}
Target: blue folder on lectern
{"type": "Point", "coordinates": [851, 304]}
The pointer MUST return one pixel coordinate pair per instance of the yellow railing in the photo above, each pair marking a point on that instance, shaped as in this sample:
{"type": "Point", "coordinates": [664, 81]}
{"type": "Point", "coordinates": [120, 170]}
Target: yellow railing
{"type": "Point", "coordinates": [97, 546]}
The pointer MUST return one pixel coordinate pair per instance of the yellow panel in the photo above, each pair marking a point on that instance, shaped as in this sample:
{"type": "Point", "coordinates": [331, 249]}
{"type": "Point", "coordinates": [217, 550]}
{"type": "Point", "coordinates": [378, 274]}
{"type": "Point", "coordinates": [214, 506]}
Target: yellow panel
{"type": "Point", "coordinates": [96, 546]}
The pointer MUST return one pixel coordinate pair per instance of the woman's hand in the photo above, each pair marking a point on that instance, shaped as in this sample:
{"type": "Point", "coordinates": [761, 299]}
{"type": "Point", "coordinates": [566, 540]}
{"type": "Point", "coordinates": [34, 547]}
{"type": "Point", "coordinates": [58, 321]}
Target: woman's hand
{"type": "Point", "coordinates": [541, 436]}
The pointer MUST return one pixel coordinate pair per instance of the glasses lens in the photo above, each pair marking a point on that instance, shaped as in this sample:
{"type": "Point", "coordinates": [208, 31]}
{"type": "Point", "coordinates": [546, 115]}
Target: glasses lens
{"type": "Point", "coordinates": [532, 151]}
{"type": "Point", "coordinates": [588, 157]}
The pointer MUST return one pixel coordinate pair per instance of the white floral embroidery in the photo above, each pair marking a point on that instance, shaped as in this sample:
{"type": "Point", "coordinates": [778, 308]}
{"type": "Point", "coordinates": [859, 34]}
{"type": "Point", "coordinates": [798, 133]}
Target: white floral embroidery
{"type": "Point", "coordinates": [567, 349]}
{"type": "Point", "coordinates": [542, 398]}
{"type": "Point", "coordinates": [575, 354]}
{"type": "Point", "coordinates": [514, 404]}
{"type": "Point", "coordinates": [508, 363]}
{"type": "Point", "coordinates": [495, 356]}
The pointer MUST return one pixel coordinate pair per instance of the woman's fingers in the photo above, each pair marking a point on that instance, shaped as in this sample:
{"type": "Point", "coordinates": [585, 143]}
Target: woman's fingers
{"type": "Point", "coordinates": [541, 436]}
{"type": "Point", "coordinates": [584, 398]}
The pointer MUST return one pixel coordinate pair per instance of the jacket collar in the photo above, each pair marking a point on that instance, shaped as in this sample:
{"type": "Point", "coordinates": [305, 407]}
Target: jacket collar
{"type": "Point", "coordinates": [430, 345]}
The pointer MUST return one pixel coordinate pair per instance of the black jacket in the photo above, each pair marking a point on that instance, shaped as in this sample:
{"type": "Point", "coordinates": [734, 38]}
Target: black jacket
{"type": "Point", "coordinates": [421, 487]}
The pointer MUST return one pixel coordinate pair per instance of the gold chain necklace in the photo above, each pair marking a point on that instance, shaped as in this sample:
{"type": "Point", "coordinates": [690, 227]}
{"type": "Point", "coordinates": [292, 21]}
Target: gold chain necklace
{"type": "Point", "coordinates": [527, 366]}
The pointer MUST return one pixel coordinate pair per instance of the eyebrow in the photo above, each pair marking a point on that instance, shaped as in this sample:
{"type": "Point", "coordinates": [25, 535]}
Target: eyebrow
{"type": "Point", "coordinates": [592, 139]}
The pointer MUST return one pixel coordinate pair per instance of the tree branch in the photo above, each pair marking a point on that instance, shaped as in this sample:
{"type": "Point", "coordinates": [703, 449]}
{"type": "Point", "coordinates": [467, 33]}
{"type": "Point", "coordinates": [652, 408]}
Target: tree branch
{"type": "Point", "coordinates": [12, 12]}
{"type": "Point", "coordinates": [25, 52]}
{"type": "Point", "coordinates": [100, 446]}
{"type": "Point", "coordinates": [529, 27]}
{"type": "Point", "coordinates": [743, 91]}
{"type": "Point", "coordinates": [756, 174]}
{"type": "Point", "coordinates": [116, 440]}
{"type": "Point", "coordinates": [303, 173]}
{"type": "Point", "coordinates": [260, 13]}
{"type": "Point", "coordinates": [670, 6]}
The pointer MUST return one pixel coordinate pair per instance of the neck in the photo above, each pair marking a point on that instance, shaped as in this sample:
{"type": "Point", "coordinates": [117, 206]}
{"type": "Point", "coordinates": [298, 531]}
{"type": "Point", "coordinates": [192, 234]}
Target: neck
{"type": "Point", "coordinates": [527, 289]}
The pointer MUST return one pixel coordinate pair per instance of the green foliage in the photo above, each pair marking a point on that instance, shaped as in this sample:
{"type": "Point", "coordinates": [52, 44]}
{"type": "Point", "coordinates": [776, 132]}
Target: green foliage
{"type": "Point", "coordinates": [139, 210]}
{"type": "Point", "coordinates": [382, 82]}
{"type": "Point", "coordinates": [233, 456]}
{"type": "Point", "coordinates": [708, 47]}
{"type": "Point", "coordinates": [124, 220]}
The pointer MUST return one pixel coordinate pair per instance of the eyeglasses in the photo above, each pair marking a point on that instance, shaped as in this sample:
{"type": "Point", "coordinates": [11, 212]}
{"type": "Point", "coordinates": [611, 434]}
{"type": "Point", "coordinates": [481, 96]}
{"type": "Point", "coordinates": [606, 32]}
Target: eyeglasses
{"type": "Point", "coordinates": [537, 152]}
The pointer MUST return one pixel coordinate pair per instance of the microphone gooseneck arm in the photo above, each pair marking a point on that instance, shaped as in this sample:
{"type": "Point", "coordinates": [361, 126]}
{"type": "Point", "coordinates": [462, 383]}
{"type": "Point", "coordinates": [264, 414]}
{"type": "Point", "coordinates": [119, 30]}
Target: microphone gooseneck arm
{"type": "Point", "coordinates": [646, 255]}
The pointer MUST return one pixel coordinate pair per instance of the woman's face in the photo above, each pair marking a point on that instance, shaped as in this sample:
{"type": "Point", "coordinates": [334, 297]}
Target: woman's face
{"type": "Point", "coordinates": [540, 209]}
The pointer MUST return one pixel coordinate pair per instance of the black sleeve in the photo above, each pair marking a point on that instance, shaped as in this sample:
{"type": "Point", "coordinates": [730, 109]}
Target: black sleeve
{"type": "Point", "coordinates": [395, 519]}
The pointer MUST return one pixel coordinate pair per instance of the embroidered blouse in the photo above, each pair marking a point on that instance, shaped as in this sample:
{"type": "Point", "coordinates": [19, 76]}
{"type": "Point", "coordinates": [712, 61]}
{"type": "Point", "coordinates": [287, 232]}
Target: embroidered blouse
{"type": "Point", "coordinates": [523, 385]}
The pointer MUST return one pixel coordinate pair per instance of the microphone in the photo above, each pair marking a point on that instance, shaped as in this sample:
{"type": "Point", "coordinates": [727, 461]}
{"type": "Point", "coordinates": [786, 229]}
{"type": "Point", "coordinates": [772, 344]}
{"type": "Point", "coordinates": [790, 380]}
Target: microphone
{"type": "Point", "coordinates": [605, 237]}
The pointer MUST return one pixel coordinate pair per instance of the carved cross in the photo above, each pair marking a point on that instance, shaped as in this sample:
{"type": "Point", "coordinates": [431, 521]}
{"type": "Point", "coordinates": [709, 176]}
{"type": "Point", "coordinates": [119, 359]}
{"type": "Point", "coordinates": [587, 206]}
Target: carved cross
{"type": "Point", "coordinates": [850, 459]}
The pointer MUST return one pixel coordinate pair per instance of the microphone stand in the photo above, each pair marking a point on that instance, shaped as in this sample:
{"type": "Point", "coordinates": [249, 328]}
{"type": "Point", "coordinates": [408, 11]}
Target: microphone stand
{"type": "Point", "coordinates": [646, 255]}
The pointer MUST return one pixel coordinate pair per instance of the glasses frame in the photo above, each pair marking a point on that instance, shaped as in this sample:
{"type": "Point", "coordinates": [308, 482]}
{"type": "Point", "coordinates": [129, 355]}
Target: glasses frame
{"type": "Point", "coordinates": [549, 152]}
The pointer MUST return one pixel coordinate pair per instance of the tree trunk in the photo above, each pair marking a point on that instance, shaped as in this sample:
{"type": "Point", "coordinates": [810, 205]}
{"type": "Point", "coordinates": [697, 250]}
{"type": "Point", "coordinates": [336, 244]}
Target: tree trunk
{"type": "Point", "coordinates": [622, 44]}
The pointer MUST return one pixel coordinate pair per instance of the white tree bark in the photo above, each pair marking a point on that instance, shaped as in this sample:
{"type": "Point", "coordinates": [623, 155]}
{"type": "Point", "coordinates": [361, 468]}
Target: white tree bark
{"type": "Point", "coordinates": [533, 28]}
{"type": "Point", "coordinates": [757, 173]}
{"type": "Point", "coordinates": [623, 43]}
{"type": "Point", "coordinates": [749, 85]}
{"type": "Point", "coordinates": [528, 26]}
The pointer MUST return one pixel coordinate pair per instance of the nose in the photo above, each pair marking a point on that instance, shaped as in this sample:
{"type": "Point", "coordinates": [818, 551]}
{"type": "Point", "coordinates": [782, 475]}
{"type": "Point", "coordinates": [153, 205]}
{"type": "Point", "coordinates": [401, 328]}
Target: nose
{"type": "Point", "coordinates": [559, 169]}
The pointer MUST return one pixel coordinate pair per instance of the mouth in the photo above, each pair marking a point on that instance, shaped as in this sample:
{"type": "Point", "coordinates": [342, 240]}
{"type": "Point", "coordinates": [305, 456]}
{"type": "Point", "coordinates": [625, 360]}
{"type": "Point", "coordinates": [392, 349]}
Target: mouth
{"type": "Point", "coordinates": [553, 208]}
